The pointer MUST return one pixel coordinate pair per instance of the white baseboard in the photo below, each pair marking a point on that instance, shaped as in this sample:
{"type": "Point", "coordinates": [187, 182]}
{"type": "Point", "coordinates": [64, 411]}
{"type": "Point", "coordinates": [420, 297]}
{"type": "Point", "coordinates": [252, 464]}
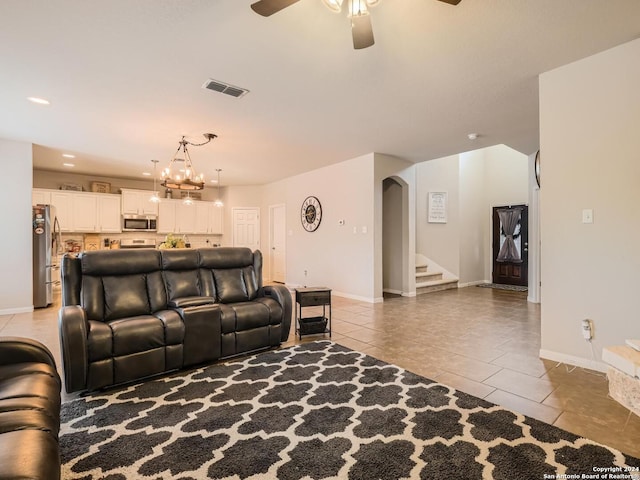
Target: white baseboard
{"type": "Point", "coordinates": [392, 291]}
{"type": "Point", "coordinates": [399, 292]}
{"type": "Point", "coordinates": [471, 284]}
{"type": "Point", "coordinates": [293, 286]}
{"type": "Point", "coordinates": [358, 297]}
{"type": "Point", "coordinates": [573, 360]}
{"type": "Point", "coordinates": [13, 311]}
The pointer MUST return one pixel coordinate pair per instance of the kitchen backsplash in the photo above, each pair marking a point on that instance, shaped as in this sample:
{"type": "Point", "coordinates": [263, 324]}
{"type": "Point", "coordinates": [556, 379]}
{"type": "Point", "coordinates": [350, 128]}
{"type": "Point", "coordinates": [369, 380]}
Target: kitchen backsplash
{"type": "Point", "coordinates": [79, 242]}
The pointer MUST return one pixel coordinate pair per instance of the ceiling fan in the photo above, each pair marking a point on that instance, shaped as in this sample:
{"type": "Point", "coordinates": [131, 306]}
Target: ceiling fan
{"type": "Point", "coordinates": [358, 12]}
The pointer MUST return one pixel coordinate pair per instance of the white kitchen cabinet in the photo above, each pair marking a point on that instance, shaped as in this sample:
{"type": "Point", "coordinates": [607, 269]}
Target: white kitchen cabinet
{"type": "Point", "coordinates": [185, 218]}
{"type": "Point", "coordinates": [208, 218]}
{"type": "Point", "coordinates": [216, 217]}
{"type": "Point", "coordinates": [202, 217]}
{"type": "Point", "coordinates": [199, 218]}
{"type": "Point", "coordinates": [40, 196]}
{"type": "Point", "coordinates": [64, 211]}
{"type": "Point", "coordinates": [84, 212]}
{"type": "Point", "coordinates": [109, 214]}
{"type": "Point", "coordinates": [136, 202]}
{"type": "Point", "coordinates": [167, 216]}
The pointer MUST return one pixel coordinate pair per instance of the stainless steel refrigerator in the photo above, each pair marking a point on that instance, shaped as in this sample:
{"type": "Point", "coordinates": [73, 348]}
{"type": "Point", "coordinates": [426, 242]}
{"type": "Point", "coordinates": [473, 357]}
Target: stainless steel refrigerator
{"type": "Point", "coordinates": [46, 246]}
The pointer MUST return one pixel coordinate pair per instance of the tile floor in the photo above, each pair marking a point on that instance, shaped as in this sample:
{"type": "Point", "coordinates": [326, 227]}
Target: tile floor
{"type": "Point", "coordinates": [481, 341]}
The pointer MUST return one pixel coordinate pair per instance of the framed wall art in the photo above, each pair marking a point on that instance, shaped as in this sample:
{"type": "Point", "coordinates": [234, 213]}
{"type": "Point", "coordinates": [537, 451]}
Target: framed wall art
{"type": "Point", "coordinates": [437, 208]}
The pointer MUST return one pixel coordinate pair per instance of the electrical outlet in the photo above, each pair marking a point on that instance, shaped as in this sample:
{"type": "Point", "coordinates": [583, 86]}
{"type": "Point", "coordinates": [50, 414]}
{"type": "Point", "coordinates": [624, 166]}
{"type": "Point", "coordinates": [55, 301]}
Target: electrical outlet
{"type": "Point", "coordinates": [587, 331]}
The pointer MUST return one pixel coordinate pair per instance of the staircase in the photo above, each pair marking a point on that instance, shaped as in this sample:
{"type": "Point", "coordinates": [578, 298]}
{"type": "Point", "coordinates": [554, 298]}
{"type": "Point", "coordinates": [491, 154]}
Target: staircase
{"type": "Point", "coordinates": [432, 281]}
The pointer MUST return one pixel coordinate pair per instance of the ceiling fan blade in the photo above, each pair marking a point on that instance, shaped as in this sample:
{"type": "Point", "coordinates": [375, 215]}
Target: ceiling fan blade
{"type": "Point", "coordinates": [362, 31]}
{"type": "Point", "coordinates": [267, 8]}
{"type": "Point", "coordinates": [451, 2]}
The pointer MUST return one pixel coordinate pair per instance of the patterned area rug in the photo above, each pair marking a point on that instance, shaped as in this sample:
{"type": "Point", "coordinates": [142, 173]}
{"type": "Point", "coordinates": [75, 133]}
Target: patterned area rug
{"type": "Point", "coordinates": [499, 286]}
{"type": "Point", "coordinates": [314, 411]}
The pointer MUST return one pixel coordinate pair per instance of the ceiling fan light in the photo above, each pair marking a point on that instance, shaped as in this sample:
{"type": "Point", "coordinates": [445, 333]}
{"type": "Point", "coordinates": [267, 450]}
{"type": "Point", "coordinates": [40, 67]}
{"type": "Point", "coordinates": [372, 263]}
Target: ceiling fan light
{"type": "Point", "coordinates": [358, 8]}
{"type": "Point", "coordinates": [333, 5]}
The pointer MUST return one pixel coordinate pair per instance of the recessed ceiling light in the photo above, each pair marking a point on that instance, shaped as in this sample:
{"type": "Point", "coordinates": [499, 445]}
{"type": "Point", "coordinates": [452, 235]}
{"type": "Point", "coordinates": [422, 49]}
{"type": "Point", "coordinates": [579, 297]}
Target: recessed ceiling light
{"type": "Point", "coordinates": [68, 155]}
{"type": "Point", "coordinates": [146, 174]}
{"type": "Point", "coordinates": [472, 136]}
{"type": "Point", "coordinates": [68, 164]}
{"type": "Point", "coordinates": [214, 181]}
{"type": "Point", "coordinates": [38, 100]}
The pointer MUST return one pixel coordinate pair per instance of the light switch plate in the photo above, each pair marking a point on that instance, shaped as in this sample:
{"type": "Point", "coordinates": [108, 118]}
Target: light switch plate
{"type": "Point", "coordinates": [587, 215]}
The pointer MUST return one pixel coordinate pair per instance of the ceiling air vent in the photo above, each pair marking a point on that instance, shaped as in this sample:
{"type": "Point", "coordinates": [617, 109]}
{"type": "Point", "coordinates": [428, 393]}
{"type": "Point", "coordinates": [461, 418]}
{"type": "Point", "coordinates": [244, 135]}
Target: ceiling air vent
{"type": "Point", "coordinates": [225, 88]}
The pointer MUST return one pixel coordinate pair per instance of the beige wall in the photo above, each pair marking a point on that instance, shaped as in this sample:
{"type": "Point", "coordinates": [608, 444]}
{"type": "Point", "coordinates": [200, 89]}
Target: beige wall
{"type": "Point", "coordinates": [16, 282]}
{"type": "Point", "coordinates": [439, 241]}
{"type": "Point", "coordinates": [333, 255]}
{"type": "Point", "coordinates": [589, 143]}
{"type": "Point", "coordinates": [474, 217]}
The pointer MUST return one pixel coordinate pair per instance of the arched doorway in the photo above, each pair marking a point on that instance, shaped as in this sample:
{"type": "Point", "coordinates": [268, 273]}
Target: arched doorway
{"type": "Point", "coordinates": [395, 238]}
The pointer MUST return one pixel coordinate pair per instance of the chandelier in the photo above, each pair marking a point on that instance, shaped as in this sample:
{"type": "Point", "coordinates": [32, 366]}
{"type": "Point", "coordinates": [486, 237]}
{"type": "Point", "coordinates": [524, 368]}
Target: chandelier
{"type": "Point", "coordinates": [180, 174]}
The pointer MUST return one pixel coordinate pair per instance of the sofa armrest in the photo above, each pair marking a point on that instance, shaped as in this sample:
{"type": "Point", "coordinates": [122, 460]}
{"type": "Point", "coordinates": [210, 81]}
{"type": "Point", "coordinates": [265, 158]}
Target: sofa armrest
{"type": "Point", "coordinates": [24, 350]}
{"type": "Point", "coordinates": [186, 302]}
{"type": "Point", "coordinates": [281, 294]}
{"type": "Point", "coordinates": [72, 323]}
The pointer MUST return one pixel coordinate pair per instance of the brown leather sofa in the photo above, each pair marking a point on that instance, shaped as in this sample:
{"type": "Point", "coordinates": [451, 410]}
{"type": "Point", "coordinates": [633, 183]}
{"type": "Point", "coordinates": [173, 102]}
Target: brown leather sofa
{"type": "Point", "coordinates": [29, 411]}
{"type": "Point", "coordinates": [130, 314]}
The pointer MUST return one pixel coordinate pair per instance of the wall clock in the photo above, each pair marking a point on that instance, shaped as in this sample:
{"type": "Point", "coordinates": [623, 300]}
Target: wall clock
{"type": "Point", "coordinates": [536, 167]}
{"type": "Point", "coordinates": [311, 214]}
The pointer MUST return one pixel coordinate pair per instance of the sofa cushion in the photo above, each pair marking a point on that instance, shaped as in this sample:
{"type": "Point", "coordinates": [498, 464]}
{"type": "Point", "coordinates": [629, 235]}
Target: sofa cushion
{"type": "Point", "coordinates": [250, 315]}
{"type": "Point", "coordinates": [225, 257]}
{"type": "Point", "coordinates": [230, 285]}
{"type": "Point", "coordinates": [125, 296]}
{"type": "Point", "coordinates": [138, 334]}
{"type": "Point", "coordinates": [120, 262]}
{"type": "Point", "coordinates": [183, 283]}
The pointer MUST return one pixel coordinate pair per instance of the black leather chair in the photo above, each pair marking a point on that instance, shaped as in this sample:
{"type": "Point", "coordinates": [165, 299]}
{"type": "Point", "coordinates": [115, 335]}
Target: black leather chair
{"type": "Point", "coordinates": [29, 411]}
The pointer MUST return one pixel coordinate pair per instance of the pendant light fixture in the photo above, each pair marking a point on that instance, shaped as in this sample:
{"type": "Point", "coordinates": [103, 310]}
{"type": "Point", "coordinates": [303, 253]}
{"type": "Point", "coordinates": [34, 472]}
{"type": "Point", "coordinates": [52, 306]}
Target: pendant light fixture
{"type": "Point", "coordinates": [155, 198]}
{"type": "Point", "coordinates": [180, 174]}
{"type": "Point", "coordinates": [218, 202]}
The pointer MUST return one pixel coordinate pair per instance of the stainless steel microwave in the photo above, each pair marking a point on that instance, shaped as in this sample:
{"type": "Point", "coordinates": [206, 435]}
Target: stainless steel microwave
{"type": "Point", "coordinates": [139, 223]}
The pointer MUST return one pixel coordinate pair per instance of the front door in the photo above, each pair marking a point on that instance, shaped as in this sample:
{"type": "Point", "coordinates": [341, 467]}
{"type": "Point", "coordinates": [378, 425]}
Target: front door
{"type": "Point", "coordinates": [510, 245]}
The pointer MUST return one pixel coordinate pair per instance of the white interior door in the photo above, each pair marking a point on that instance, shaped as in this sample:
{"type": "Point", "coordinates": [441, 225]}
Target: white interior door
{"type": "Point", "coordinates": [277, 238]}
{"type": "Point", "coordinates": [246, 228]}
